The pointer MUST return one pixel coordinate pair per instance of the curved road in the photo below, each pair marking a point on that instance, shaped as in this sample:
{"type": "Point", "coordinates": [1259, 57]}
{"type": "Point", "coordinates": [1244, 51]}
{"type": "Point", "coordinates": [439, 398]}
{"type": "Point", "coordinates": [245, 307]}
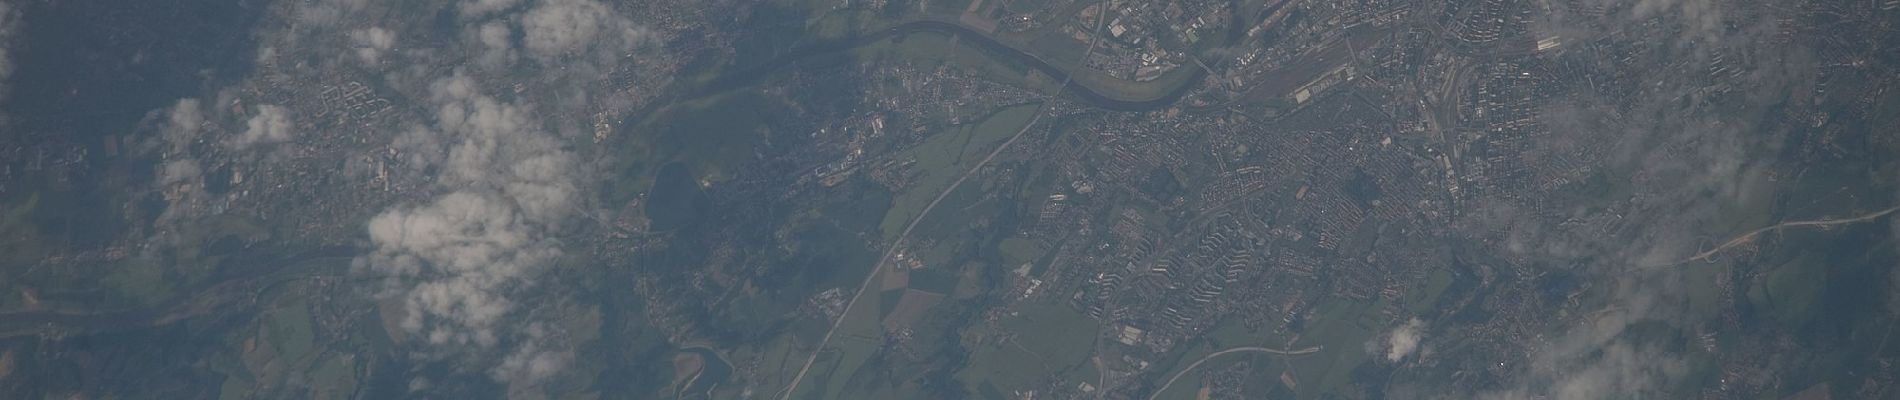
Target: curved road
{"type": "Point", "coordinates": [1244, 349]}
{"type": "Point", "coordinates": [1746, 237]}
{"type": "Point", "coordinates": [792, 388]}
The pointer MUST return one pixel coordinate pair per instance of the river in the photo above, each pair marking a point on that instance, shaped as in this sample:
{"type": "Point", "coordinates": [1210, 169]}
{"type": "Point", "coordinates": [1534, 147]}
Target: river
{"type": "Point", "coordinates": [715, 371]}
{"type": "Point", "coordinates": [1075, 90]}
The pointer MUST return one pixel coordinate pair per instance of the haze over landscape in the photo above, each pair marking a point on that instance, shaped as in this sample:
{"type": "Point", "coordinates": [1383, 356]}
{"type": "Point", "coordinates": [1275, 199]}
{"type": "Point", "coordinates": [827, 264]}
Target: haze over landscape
{"type": "Point", "coordinates": [949, 199]}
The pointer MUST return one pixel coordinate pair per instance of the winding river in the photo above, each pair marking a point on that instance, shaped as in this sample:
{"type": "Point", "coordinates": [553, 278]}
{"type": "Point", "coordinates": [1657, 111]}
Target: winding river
{"type": "Point", "coordinates": [1076, 89]}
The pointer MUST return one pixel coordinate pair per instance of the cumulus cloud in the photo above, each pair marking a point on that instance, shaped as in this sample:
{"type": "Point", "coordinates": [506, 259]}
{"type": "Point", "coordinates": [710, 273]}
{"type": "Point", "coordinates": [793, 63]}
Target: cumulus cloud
{"type": "Point", "coordinates": [1597, 360]}
{"type": "Point", "coordinates": [270, 125]}
{"type": "Point", "coordinates": [183, 123]}
{"type": "Point", "coordinates": [558, 27]}
{"type": "Point", "coordinates": [1695, 147]}
{"type": "Point", "coordinates": [179, 175]}
{"type": "Point", "coordinates": [179, 171]}
{"type": "Point", "coordinates": [458, 259]}
{"type": "Point", "coordinates": [1403, 340]}
{"type": "Point", "coordinates": [181, 181]}
{"type": "Point", "coordinates": [1614, 371]}
{"type": "Point", "coordinates": [498, 145]}
{"type": "Point", "coordinates": [464, 258]}
{"type": "Point", "coordinates": [495, 42]}
{"type": "Point", "coordinates": [586, 36]}
{"type": "Point", "coordinates": [464, 251]}
{"type": "Point", "coordinates": [371, 43]}
{"type": "Point", "coordinates": [531, 364]}
{"type": "Point", "coordinates": [1622, 371]}
{"type": "Point", "coordinates": [507, 183]}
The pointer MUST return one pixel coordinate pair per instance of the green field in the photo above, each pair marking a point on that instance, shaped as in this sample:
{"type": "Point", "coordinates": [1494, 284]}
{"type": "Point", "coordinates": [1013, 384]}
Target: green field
{"type": "Point", "coordinates": [779, 358]}
{"type": "Point", "coordinates": [333, 378]}
{"type": "Point", "coordinates": [140, 281]}
{"type": "Point", "coordinates": [1224, 335]}
{"type": "Point", "coordinates": [19, 238]}
{"type": "Point", "coordinates": [1046, 339]}
{"type": "Point", "coordinates": [845, 357]}
{"type": "Point", "coordinates": [855, 343]}
{"type": "Point", "coordinates": [1018, 251]}
{"type": "Point", "coordinates": [1265, 375]}
{"type": "Point", "coordinates": [290, 332]}
{"type": "Point", "coordinates": [944, 156]}
{"type": "Point", "coordinates": [1343, 327]}
{"type": "Point", "coordinates": [1058, 332]}
{"type": "Point", "coordinates": [966, 210]}
{"type": "Point", "coordinates": [204, 244]}
{"type": "Point", "coordinates": [711, 136]}
{"type": "Point", "coordinates": [1423, 297]}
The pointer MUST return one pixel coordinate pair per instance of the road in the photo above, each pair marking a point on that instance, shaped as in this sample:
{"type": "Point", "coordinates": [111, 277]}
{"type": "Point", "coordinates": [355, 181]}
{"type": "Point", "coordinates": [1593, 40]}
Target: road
{"type": "Point", "coordinates": [1244, 349]}
{"type": "Point", "coordinates": [877, 266]}
{"type": "Point", "coordinates": [1750, 236]}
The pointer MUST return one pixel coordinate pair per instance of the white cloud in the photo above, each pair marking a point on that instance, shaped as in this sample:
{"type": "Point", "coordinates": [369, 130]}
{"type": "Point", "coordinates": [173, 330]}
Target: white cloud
{"type": "Point", "coordinates": [179, 171]}
{"type": "Point", "coordinates": [186, 117]}
{"type": "Point", "coordinates": [184, 121]}
{"type": "Point", "coordinates": [558, 28]}
{"type": "Point", "coordinates": [460, 258]}
{"type": "Point", "coordinates": [1694, 146]}
{"type": "Point", "coordinates": [179, 176]}
{"type": "Point", "coordinates": [508, 181]}
{"type": "Point", "coordinates": [583, 38]}
{"type": "Point", "coordinates": [530, 364]}
{"type": "Point", "coordinates": [462, 254]}
{"type": "Point", "coordinates": [465, 256]}
{"type": "Point", "coordinates": [182, 181]}
{"type": "Point", "coordinates": [1403, 340]}
{"type": "Point", "coordinates": [371, 43]}
{"type": "Point", "coordinates": [270, 125]}
{"type": "Point", "coordinates": [1613, 371]}
{"type": "Point", "coordinates": [1622, 372]}
{"type": "Point", "coordinates": [496, 44]}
